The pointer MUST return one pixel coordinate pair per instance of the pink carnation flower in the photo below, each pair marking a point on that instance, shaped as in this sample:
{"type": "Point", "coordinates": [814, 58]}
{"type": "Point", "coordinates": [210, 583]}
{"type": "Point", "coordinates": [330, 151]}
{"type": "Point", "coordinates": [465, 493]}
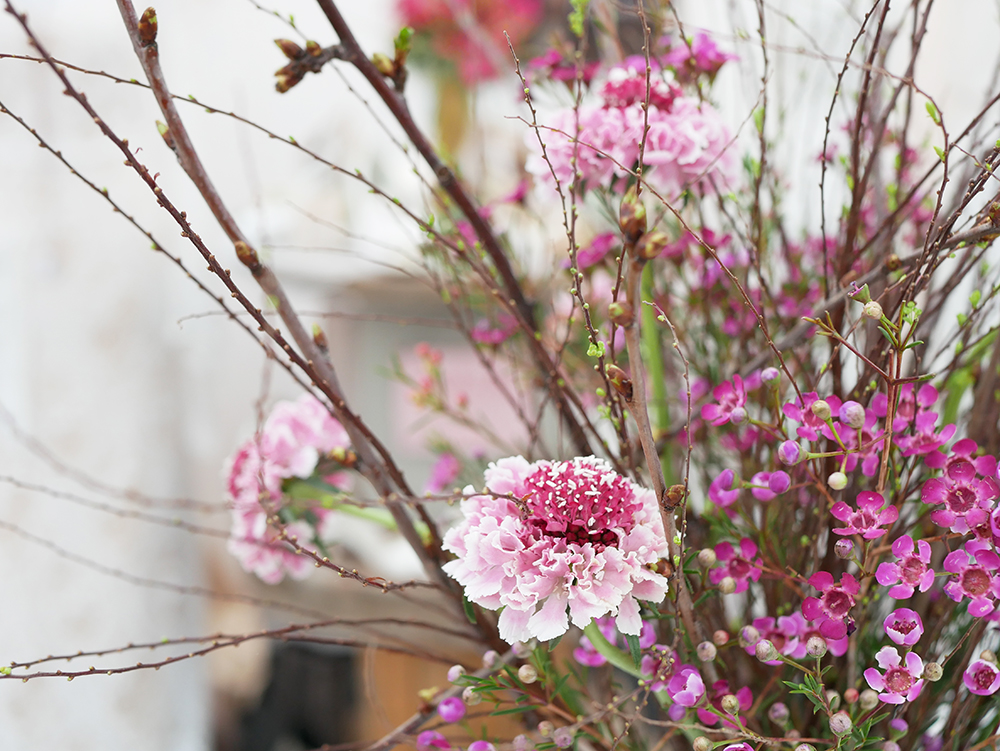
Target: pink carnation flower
{"type": "Point", "coordinates": [870, 518]}
{"type": "Point", "coordinates": [290, 444]}
{"type": "Point", "coordinates": [982, 678]}
{"type": "Point", "coordinates": [900, 682]}
{"type": "Point", "coordinates": [570, 535]}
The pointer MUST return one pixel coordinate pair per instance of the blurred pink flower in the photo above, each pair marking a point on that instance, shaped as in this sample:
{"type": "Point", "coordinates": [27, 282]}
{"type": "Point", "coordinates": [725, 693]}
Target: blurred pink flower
{"type": "Point", "coordinates": [730, 396]}
{"type": "Point", "coordinates": [742, 567]}
{"type": "Point", "coordinates": [573, 534]}
{"type": "Point", "coordinates": [982, 677]}
{"type": "Point", "coordinates": [443, 473]}
{"type": "Point", "coordinates": [702, 56]}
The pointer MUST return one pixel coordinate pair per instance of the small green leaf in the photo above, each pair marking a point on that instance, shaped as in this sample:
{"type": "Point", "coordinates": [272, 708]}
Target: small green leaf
{"type": "Point", "coordinates": [939, 152]}
{"type": "Point", "coordinates": [4, 671]}
{"type": "Point", "coordinates": [933, 112]}
{"type": "Point", "coordinates": [469, 612]}
{"type": "Point", "coordinates": [634, 648]}
{"type": "Point", "coordinates": [513, 710]}
{"type": "Point", "coordinates": [962, 319]}
{"type": "Point", "coordinates": [596, 349]}
{"type": "Point", "coordinates": [975, 297]}
{"type": "Point", "coordinates": [577, 15]}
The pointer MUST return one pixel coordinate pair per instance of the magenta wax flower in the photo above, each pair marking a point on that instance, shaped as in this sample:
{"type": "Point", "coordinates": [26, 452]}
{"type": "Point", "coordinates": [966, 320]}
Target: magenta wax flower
{"type": "Point", "coordinates": [724, 489]}
{"type": "Point", "coordinates": [900, 682]}
{"type": "Point", "coordinates": [701, 55]}
{"type": "Point", "coordinates": [740, 567]}
{"type": "Point", "coordinates": [913, 571]}
{"type": "Point", "coordinates": [802, 412]}
{"type": "Point", "coordinates": [924, 439]}
{"type": "Point", "coordinates": [782, 632]}
{"type": "Point", "coordinates": [482, 746]}
{"type": "Point", "coordinates": [904, 626]}
{"type": "Point", "coordinates": [595, 251]}
{"type": "Point", "coordinates": [729, 396]}
{"type": "Point", "coordinates": [790, 453]}
{"type": "Point", "coordinates": [443, 473]}
{"type": "Point", "coordinates": [869, 519]}
{"type": "Point", "coordinates": [982, 677]}
{"type": "Point", "coordinates": [965, 497]}
{"type": "Point", "coordinates": [835, 603]}
{"type": "Point", "coordinates": [451, 709]}
{"type": "Point", "coordinates": [429, 740]}
{"type": "Point", "coordinates": [686, 688]}
{"type": "Point", "coordinates": [976, 578]}
{"type": "Point", "coordinates": [720, 689]}
{"type": "Point", "coordinates": [769, 485]}
{"type": "Point", "coordinates": [571, 534]}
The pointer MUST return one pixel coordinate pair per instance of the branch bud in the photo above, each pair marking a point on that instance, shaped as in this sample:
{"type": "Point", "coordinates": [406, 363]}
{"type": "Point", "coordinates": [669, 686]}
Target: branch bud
{"type": "Point", "coordinates": [674, 496]}
{"type": "Point", "coordinates": [319, 338]}
{"type": "Point", "coordinates": [313, 49]}
{"type": "Point", "coordinates": [147, 27]}
{"type": "Point", "coordinates": [632, 217]}
{"type": "Point", "coordinates": [289, 48]}
{"type": "Point", "coordinates": [247, 255]}
{"type": "Point", "coordinates": [621, 382]}
{"type": "Point", "coordinates": [621, 313]}
{"type": "Point", "coordinates": [384, 64]}
{"type": "Point", "coordinates": [164, 130]}
{"type": "Point", "coordinates": [650, 245]}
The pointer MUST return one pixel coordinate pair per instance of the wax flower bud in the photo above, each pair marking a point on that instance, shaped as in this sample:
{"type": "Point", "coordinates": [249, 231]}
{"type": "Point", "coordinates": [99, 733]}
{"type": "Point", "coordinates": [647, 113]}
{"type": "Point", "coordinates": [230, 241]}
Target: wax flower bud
{"type": "Point", "coordinates": [898, 727]}
{"type": "Point", "coordinates": [546, 728]}
{"type": "Point", "coordinates": [852, 414]}
{"type": "Point", "coordinates": [706, 651]}
{"type": "Point", "coordinates": [749, 636]}
{"type": "Point", "coordinates": [868, 700]}
{"type": "Point", "coordinates": [837, 481]}
{"type": "Point", "coordinates": [728, 585]}
{"type": "Point", "coordinates": [851, 695]}
{"type": "Point", "coordinates": [455, 672]}
{"type": "Point", "coordinates": [890, 745]}
{"type": "Point", "coordinates": [730, 704]}
{"type": "Point", "coordinates": [720, 637]}
{"type": "Point", "coordinates": [522, 650]}
{"type": "Point", "coordinates": [471, 697]}
{"type": "Point", "coordinates": [766, 651]}
{"type": "Point", "coordinates": [840, 723]}
{"type": "Point", "coordinates": [451, 709]}
{"type": "Point", "coordinates": [563, 737]}
{"type": "Point", "coordinates": [843, 548]}
{"type": "Point", "coordinates": [738, 416]}
{"type": "Point", "coordinates": [816, 646]}
{"type": "Point", "coordinates": [873, 310]}
{"type": "Point", "coordinates": [805, 747]}
{"type": "Point", "coordinates": [778, 713]}
{"type": "Point", "coordinates": [707, 557]}
{"type": "Point", "coordinates": [933, 671]}
{"type": "Point", "coordinates": [701, 743]}
{"type": "Point", "coordinates": [767, 375]}
{"type": "Point", "coordinates": [522, 743]}
{"type": "Point", "coordinates": [821, 409]}
{"type": "Point", "coordinates": [790, 453]}
{"type": "Point", "coordinates": [527, 673]}
{"type": "Point", "coordinates": [988, 655]}
{"type": "Point", "coordinates": [490, 659]}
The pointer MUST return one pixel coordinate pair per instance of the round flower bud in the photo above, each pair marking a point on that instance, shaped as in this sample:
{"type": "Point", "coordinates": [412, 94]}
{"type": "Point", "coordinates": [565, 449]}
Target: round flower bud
{"type": "Point", "coordinates": [816, 646]}
{"type": "Point", "coordinates": [778, 713]}
{"type": "Point", "coordinates": [527, 673]}
{"type": "Point", "coordinates": [765, 650]}
{"type": "Point", "coordinates": [899, 725]}
{"type": "Point", "coordinates": [833, 699]}
{"type": "Point", "coordinates": [730, 704]}
{"type": "Point", "coordinates": [890, 745]}
{"type": "Point", "coordinates": [843, 548]}
{"type": "Point", "coordinates": [728, 585]}
{"type": "Point", "coordinates": [988, 655]}
{"type": "Point", "coordinates": [749, 636]}
{"type": "Point", "coordinates": [563, 737]}
{"type": "Point", "coordinates": [738, 416]}
{"type": "Point", "coordinates": [840, 723]}
{"type": "Point", "coordinates": [471, 697]}
{"type": "Point", "coordinates": [868, 700]}
{"type": "Point", "coordinates": [779, 482]}
{"type": "Point", "coordinates": [707, 557]}
{"type": "Point", "coordinates": [933, 671]}
{"type": "Point", "coordinates": [852, 414]}
{"type": "Point", "coordinates": [451, 709]}
{"type": "Point", "coordinates": [769, 374]}
{"type": "Point", "coordinates": [873, 310]}
{"type": "Point", "coordinates": [720, 637]}
{"type": "Point", "coordinates": [522, 743]}
{"type": "Point", "coordinates": [482, 746]}
{"type": "Point", "coordinates": [821, 409]}
{"type": "Point", "coordinates": [706, 651]}
{"type": "Point", "coordinates": [851, 695]}
{"type": "Point", "coordinates": [546, 728]}
{"type": "Point", "coordinates": [805, 747]}
{"type": "Point", "coordinates": [837, 481]}
{"type": "Point", "coordinates": [523, 650]}
{"type": "Point", "coordinates": [701, 743]}
{"type": "Point", "coordinates": [790, 453]}
{"type": "Point", "coordinates": [455, 672]}
{"type": "Point", "coordinates": [793, 735]}
{"type": "Point", "coordinates": [490, 659]}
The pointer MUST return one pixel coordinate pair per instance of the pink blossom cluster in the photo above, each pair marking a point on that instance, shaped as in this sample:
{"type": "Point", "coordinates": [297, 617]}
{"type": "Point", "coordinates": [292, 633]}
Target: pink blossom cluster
{"type": "Point", "coordinates": [550, 537]}
{"type": "Point", "coordinates": [686, 142]}
{"type": "Point", "coordinates": [291, 444]}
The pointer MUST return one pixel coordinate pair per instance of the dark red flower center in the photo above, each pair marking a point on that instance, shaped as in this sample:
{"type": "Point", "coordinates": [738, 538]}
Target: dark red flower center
{"type": "Point", "coordinates": [960, 499]}
{"type": "Point", "coordinates": [837, 603]}
{"type": "Point", "coordinates": [898, 680]}
{"type": "Point", "coordinates": [975, 581]}
{"type": "Point", "coordinates": [983, 678]}
{"type": "Point", "coordinates": [911, 569]}
{"type": "Point", "coordinates": [581, 501]}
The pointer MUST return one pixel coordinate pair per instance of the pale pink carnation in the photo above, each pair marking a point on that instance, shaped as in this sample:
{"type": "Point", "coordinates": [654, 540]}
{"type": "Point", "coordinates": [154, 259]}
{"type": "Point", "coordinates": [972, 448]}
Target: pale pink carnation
{"type": "Point", "coordinates": [571, 534]}
{"type": "Point", "coordinates": [290, 444]}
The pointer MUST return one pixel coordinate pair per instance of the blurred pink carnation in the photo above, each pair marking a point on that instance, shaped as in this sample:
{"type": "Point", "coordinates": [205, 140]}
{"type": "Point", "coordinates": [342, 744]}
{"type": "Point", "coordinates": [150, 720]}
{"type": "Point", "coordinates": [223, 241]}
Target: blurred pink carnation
{"type": "Point", "coordinates": [571, 534]}
{"type": "Point", "coordinates": [290, 444]}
